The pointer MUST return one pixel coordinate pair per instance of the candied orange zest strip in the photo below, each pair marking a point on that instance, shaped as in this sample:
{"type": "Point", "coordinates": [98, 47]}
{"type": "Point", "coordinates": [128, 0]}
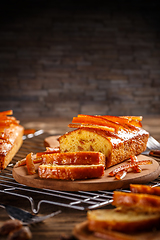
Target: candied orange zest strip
{"type": "Point", "coordinates": [4, 117]}
{"type": "Point", "coordinates": [23, 162]}
{"type": "Point", "coordinates": [127, 166]}
{"type": "Point", "coordinates": [136, 118]}
{"type": "Point", "coordinates": [2, 129]}
{"type": "Point", "coordinates": [120, 175]}
{"type": "Point", "coordinates": [48, 151]}
{"type": "Point", "coordinates": [7, 120]}
{"type": "Point", "coordinates": [5, 124]}
{"type": "Point", "coordinates": [134, 159]}
{"type": "Point", "coordinates": [122, 121]}
{"type": "Point", "coordinates": [91, 126]}
{"type": "Point", "coordinates": [29, 131]}
{"type": "Point", "coordinates": [95, 120]}
{"type": "Point", "coordinates": [137, 169]}
{"type": "Point", "coordinates": [8, 112]}
{"type": "Point", "coordinates": [20, 163]}
{"type": "Point", "coordinates": [30, 164]}
{"type": "Point", "coordinates": [135, 123]}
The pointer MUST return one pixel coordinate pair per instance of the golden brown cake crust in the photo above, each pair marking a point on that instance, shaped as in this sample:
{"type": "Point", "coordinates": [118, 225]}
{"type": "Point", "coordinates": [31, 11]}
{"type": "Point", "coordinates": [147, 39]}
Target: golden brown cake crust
{"type": "Point", "coordinates": [11, 144]}
{"type": "Point", "coordinates": [70, 172]}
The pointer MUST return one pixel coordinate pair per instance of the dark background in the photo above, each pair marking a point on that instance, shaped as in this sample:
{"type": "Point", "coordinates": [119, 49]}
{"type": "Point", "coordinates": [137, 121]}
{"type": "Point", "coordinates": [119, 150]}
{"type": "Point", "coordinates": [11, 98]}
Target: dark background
{"type": "Point", "coordinates": [61, 58]}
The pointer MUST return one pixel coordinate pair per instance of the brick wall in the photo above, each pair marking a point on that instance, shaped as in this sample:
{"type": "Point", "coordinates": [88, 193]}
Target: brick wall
{"type": "Point", "coordinates": [61, 58]}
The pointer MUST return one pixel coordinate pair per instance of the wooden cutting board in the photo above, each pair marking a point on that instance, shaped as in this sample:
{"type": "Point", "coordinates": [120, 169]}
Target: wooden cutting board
{"type": "Point", "coordinates": [149, 173]}
{"type": "Point", "coordinates": [81, 232]}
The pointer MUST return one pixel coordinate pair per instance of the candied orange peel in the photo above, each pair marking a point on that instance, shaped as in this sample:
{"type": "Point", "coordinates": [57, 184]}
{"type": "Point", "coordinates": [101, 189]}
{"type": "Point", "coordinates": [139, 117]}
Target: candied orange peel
{"type": "Point", "coordinates": [121, 171]}
{"type": "Point", "coordinates": [6, 121]}
{"type": "Point", "coordinates": [96, 120]}
{"type": "Point", "coordinates": [30, 164]}
{"type": "Point", "coordinates": [29, 131]}
{"type": "Point", "coordinates": [31, 159]}
{"type": "Point", "coordinates": [48, 151]}
{"type": "Point", "coordinates": [106, 122]}
{"type": "Point", "coordinates": [8, 112]}
{"type": "Point", "coordinates": [72, 125]}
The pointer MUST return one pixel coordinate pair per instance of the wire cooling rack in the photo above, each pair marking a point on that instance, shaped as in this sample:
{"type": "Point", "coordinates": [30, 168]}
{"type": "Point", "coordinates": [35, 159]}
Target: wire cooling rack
{"type": "Point", "coordinates": [80, 200]}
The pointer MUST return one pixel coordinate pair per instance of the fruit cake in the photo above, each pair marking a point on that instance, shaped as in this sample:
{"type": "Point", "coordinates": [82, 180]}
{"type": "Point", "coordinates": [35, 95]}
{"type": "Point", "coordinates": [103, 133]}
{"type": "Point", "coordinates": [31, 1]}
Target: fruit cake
{"type": "Point", "coordinates": [11, 133]}
{"type": "Point", "coordinates": [118, 142]}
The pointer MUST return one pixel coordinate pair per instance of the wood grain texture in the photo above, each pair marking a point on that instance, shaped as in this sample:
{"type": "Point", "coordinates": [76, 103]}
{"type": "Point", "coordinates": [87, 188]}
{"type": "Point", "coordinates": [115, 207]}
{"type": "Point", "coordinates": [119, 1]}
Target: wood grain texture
{"type": "Point", "coordinates": [52, 228]}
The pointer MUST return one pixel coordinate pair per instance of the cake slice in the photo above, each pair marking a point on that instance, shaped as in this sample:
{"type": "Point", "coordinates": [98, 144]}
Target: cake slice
{"type": "Point", "coordinates": [70, 172]}
{"type": "Point", "coordinates": [132, 212]}
{"type": "Point", "coordinates": [139, 201]}
{"type": "Point", "coordinates": [116, 146]}
{"type": "Point", "coordinates": [74, 158]}
{"type": "Point", "coordinates": [11, 133]}
{"type": "Point", "coordinates": [121, 220]}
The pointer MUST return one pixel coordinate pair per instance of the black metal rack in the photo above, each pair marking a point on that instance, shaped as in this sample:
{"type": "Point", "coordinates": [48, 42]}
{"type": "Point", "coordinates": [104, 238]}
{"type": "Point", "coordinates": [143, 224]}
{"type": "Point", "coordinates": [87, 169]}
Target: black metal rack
{"type": "Point", "coordinates": [80, 200]}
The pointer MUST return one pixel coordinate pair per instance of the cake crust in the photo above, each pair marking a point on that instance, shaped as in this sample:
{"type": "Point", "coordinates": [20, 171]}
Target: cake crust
{"type": "Point", "coordinates": [70, 172]}
{"type": "Point", "coordinates": [11, 144]}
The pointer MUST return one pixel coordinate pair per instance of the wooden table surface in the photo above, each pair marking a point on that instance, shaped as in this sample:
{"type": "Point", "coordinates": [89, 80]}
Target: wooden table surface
{"type": "Point", "coordinates": [63, 223]}
{"type": "Point", "coordinates": [52, 228]}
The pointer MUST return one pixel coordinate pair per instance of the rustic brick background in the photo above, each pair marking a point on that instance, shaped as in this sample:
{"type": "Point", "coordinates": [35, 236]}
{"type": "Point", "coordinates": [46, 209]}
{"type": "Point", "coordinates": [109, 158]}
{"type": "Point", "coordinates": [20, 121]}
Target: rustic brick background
{"type": "Point", "coordinates": [61, 58]}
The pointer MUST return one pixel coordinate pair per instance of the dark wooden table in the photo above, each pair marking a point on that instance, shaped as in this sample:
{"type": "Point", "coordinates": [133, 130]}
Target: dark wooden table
{"type": "Point", "coordinates": [63, 223]}
{"type": "Point", "coordinates": [52, 228]}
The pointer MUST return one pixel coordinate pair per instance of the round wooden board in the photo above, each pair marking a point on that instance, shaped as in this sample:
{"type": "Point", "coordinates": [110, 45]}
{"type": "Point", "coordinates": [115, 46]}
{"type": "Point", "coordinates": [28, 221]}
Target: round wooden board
{"type": "Point", "coordinates": [81, 232]}
{"type": "Point", "coordinates": [149, 173]}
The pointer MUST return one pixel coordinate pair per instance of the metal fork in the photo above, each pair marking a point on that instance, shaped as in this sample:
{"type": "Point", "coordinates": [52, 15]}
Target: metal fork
{"type": "Point", "coordinates": [25, 217]}
{"type": "Point", "coordinates": [153, 144]}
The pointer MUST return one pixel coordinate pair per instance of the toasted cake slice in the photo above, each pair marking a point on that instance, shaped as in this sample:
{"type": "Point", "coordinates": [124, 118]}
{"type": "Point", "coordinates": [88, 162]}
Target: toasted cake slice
{"type": "Point", "coordinates": [118, 219]}
{"type": "Point", "coordinates": [116, 147]}
{"type": "Point", "coordinates": [70, 172]}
